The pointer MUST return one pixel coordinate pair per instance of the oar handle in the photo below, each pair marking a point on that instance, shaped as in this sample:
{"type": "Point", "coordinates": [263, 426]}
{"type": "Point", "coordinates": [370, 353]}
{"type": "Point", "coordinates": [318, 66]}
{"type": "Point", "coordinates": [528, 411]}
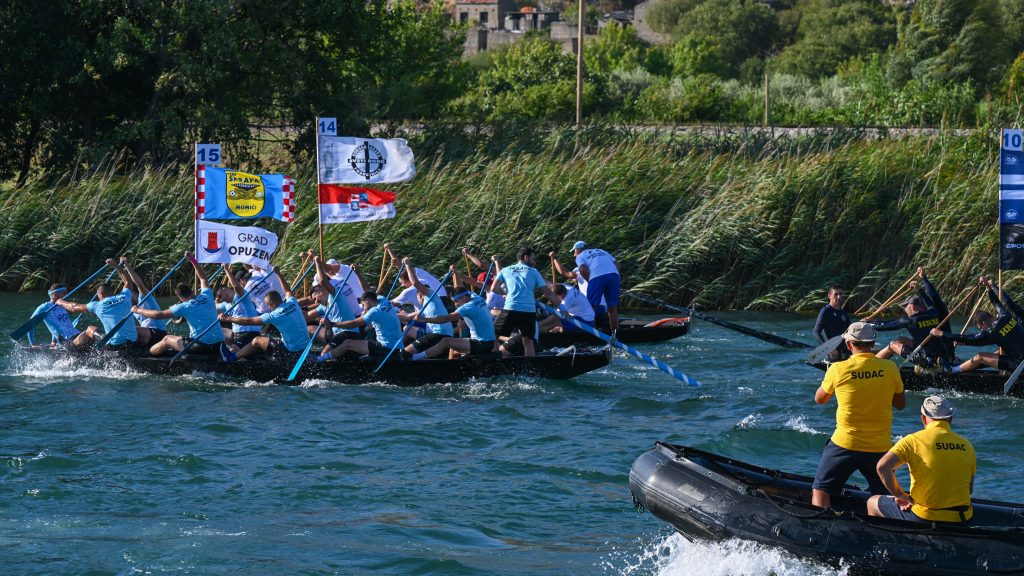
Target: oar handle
{"type": "Point", "coordinates": [393, 283]}
{"type": "Point", "coordinates": [944, 320]}
{"type": "Point", "coordinates": [418, 312]}
{"type": "Point", "coordinates": [487, 276]}
{"type": "Point", "coordinates": [892, 300]}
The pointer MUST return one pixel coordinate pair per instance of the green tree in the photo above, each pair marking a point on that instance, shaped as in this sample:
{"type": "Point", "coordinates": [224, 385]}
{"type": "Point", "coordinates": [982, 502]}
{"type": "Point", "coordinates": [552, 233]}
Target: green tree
{"type": "Point", "coordinates": [833, 31]}
{"type": "Point", "coordinates": [951, 41]}
{"type": "Point", "coordinates": [616, 47]}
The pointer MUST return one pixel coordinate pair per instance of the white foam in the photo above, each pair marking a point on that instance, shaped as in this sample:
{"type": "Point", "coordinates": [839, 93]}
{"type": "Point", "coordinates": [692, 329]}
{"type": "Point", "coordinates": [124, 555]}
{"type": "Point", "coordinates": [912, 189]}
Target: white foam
{"type": "Point", "coordinates": [799, 423]}
{"type": "Point", "coordinates": [676, 556]}
{"type": "Point", "coordinates": [749, 421]}
{"type": "Point", "coordinates": [47, 370]}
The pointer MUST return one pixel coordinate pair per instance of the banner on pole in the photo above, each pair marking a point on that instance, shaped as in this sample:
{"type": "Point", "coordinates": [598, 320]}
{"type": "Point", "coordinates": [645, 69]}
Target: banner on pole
{"type": "Point", "coordinates": [348, 160]}
{"type": "Point", "coordinates": [1011, 200]}
{"type": "Point", "coordinates": [225, 194]}
{"type": "Point", "coordinates": [218, 243]}
{"type": "Point", "coordinates": [347, 204]}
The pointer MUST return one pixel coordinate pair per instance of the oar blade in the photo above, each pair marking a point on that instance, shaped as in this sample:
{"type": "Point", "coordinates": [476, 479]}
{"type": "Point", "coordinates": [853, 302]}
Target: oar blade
{"type": "Point", "coordinates": [823, 350]}
{"type": "Point", "coordinates": [30, 325]}
{"type": "Point", "coordinates": [1013, 379]}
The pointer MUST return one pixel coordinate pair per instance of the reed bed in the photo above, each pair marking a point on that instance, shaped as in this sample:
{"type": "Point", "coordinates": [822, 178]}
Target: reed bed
{"type": "Point", "coordinates": [727, 221]}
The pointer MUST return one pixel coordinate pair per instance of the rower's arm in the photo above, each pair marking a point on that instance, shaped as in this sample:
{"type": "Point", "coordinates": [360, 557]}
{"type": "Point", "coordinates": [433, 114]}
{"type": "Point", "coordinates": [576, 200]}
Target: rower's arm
{"type": "Point", "coordinates": [284, 283]}
{"type": "Point", "coordinates": [242, 320]}
{"type": "Point", "coordinates": [235, 284]}
{"type": "Point", "coordinates": [154, 314]}
{"type": "Point", "coordinates": [476, 261]}
{"type": "Point", "coordinates": [410, 271]}
{"type": "Point", "coordinates": [123, 274]}
{"type": "Point", "coordinates": [552, 297]}
{"type": "Point", "coordinates": [886, 469]}
{"type": "Point", "coordinates": [73, 307]}
{"type": "Point", "coordinates": [819, 328]}
{"type": "Point", "coordinates": [321, 276]}
{"type": "Point", "coordinates": [1013, 306]}
{"type": "Point", "coordinates": [354, 323]}
{"type": "Point", "coordinates": [888, 325]}
{"type": "Point", "coordinates": [983, 338]}
{"type": "Point", "coordinates": [932, 296]}
{"type": "Point", "coordinates": [496, 283]}
{"type": "Point", "coordinates": [820, 396]}
{"type": "Point", "coordinates": [585, 272]}
{"type": "Point", "coordinates": [559, 268]}
{"type": "Point", "coordinates": [204, 280]}
{"type": "Point", "coordinates": [899, 400]}
{"type": "Point", "coordinates": [359, 277]}
{"type": "Point", "coordinates": [443, 319]}
{"type": "Point", "coordinates": [139, 283]}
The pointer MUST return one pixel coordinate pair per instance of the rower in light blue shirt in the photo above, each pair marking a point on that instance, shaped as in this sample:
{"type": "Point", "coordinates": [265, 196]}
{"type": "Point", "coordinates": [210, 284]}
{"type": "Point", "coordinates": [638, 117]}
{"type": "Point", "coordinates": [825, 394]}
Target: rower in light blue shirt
{"type": "Point", "coordinates": [283, 313]}
{"type": "Point", "coordinates": [111, 307]}
{"type": "Point", "coordinates": [473, 310]}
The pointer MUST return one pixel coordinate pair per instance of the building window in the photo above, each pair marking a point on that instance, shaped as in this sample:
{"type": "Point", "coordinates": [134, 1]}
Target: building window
{"type": "Point", "coordinates": [463, 17]}
{"type": "Point", "coordinates": [483, 17]}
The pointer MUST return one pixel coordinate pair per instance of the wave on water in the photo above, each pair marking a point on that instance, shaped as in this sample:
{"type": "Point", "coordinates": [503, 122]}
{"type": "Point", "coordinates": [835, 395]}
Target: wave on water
{"type": "Point", "coordinates": [799, 423]}
{"type": "Point", "coordinates": [483, 389]}
{"type": "Point", "coordinates": [796, 423]}
{"type": "Point", "coordinates": [674, 555]}
{"type": "Point", "coordinates": [46, 370]}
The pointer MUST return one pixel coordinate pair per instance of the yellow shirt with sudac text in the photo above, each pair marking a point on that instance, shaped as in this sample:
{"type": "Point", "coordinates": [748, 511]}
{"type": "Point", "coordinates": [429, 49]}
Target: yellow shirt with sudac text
{"type": "Point", "coordinates": [863, 386]}
{"type": "Point", "coordinates": [942, 464]}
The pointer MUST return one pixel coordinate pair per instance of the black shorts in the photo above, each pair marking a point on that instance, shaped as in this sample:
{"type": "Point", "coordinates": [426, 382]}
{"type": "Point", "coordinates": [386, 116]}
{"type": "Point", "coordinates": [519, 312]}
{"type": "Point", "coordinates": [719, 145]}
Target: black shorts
{"type": "Point", "coordinates": [340, 337]}
{"type": "Point", "coordinates": [427, 341]}
{"type": "Point", "coordinates": [481, 346]}
{"type": "Point", "coordinates": [155, 336]}
{"type": "Point", "coordinates": [838, 463]}
{"type": "Point", "coordinates": [510, 321]}
{"type": "Point", "coordinates": [202, 347]}
{"type": "Point", "coordinates": [1009, 363]}
{"type": "Point", "coordinates": [241, 339]}
{"type": "Point", "coordinates": [275, 347]}
{"type": "Point", "coordinates": [130, 348]}
{"type": "Point", "coordinates": [379, 351]}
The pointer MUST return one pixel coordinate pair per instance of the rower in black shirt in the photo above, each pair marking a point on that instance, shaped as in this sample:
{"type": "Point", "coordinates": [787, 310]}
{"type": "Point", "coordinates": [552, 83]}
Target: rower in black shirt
{"type": "Point", "coordinates": [833, 321]}
{"type": "Point", "coordinates": [1003, 330]}
{"type": "Point", "coordinates": [924, 311]}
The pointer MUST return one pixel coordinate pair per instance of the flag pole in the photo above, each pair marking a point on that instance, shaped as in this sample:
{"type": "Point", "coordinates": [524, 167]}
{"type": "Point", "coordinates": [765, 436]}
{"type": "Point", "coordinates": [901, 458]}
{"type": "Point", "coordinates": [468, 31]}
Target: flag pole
{"type": "Point", "coordinates": [195, 216]}
{"type": "Point", "coordinates": [319, 216]}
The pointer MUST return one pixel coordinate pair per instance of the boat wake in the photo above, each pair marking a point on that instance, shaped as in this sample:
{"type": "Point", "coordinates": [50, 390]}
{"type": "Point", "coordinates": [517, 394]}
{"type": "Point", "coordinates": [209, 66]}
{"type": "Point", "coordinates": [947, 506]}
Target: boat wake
{"type": "Point", "coordinates": [677, 556]}
{"type": "Point", "coordinates": [45, 370]}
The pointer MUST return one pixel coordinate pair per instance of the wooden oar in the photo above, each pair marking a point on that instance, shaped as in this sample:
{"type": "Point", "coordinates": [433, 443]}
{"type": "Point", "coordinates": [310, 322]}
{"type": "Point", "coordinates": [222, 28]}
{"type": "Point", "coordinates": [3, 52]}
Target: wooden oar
{"type": "Point", "coordinates": [110, 334]}
{"type": "Point", "coordinates": [609, 340]}
{"type": "Point", "coordinates": [34, 321]}
{"type": "Point", "coordinates": [778, 340]}
{"type": "Point", "coordinates": [891, 298]}
{"type": "Point", "coordinates": [383, 274]}
{"type": "Point", "coordinates": [410, 325]}
{"type": "Point", "coordinates": [971, 315]}
{"type": "Point", "coordinates": [309, 345]}
{"type": "Point", "coordinates": [944, 320]}
{"type": "Point", "coordinates": [305, 261]}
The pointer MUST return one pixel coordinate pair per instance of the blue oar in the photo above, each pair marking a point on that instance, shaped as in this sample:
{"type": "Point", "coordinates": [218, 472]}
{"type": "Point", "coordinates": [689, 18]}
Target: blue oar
{"type": "Point", "coordinates": [110, 334]}
{"type": "Point", "coordinates": [217, 322]}
{"type": "Point", "coordinates": [105, 281]}
{"type": "Point", "coordinates": [409, 327]}
{"type": "Point", "coordinates": [309, 345]}
{"type": "Point", "coordinates": [34, 321]}
{"type": "Point", "coordinates": [652, 361]}
{"type": "Point", "coordinates": [483, 288]}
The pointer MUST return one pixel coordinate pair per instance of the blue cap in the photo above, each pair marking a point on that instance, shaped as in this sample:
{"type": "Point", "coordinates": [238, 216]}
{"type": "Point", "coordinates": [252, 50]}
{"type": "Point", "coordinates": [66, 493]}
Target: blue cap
{"type": "Point", "coordinates": [579, 245]}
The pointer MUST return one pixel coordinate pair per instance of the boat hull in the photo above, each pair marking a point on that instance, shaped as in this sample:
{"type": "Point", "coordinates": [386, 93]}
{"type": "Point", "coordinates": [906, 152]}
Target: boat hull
{"type": "Point", "coordinates": [706, 496]}
{"type": "Point", "coordinates": [630, 331]}
{"type": "Point", "coordinates": [977, 381]}
{"type": "Point", "coordinates": [353, 370]}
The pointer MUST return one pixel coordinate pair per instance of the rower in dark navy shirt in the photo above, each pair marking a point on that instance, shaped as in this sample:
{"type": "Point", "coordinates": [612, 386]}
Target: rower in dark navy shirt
{"type": "Point", "coordinates": [924, 311]}
{"type": "Point", "coordinates": [1004, 330]}
{"type": "Point", "coordinates": [833, 321]}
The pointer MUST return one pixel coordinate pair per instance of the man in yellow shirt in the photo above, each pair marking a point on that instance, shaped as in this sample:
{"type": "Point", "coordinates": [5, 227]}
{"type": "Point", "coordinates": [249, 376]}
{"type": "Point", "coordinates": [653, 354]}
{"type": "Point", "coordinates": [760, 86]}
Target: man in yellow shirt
{"type": "Point", "coordinates": [866, 388]}
{"type": "Point", "coordinates": [942, 467]}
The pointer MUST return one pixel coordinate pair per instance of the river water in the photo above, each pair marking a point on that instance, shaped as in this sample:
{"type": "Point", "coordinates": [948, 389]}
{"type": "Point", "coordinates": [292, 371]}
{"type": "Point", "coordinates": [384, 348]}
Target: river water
{"type": "Point", "coordinates": [122, 473]}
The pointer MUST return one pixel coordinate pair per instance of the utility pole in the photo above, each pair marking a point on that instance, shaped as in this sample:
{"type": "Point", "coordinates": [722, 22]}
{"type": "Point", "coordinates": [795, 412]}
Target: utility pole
{"type": "Point", "coordinates": [579, 68]}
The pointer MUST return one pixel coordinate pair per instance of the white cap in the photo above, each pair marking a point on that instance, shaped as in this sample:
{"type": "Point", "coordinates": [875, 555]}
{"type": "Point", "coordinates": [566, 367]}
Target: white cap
{"type": "Point", "coordinates": [331, 262]}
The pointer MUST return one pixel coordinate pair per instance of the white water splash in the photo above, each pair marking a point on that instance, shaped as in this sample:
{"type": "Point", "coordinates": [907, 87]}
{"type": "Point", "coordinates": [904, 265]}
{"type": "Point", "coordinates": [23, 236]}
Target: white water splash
{"type": "Point", "coordinates": [799, 423]}
{"type": "Point", "coordinates": [677, 556]}
{"type": "Point", "coordinates": [749, 421]}
{"type": "Point", "coordinates": [45, 370]}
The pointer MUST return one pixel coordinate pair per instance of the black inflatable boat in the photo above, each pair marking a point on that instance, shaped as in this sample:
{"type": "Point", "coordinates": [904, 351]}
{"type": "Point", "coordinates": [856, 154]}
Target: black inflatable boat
{"type": "Point", "coordinates": [707, 496]}
{"type": "Point", "coordinates": [984, 381]}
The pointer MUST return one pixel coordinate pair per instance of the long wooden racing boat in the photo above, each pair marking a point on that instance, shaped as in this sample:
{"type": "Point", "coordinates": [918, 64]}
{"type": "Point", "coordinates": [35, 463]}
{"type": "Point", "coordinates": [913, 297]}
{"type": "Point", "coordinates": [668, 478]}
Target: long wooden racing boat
{"type": "Point", "coordinates": [631, 331]}
{"type": "Point", "coordinates": [979, 381]}
{"type": "Point", "coordinates": [351, 370]}
{"type": "Point", "coordinates": [707, 496]}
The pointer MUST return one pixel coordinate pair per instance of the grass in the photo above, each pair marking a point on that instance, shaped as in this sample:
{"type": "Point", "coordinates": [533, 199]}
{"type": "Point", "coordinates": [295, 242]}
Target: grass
{"type": "Point", "coordinates": [721, 221]}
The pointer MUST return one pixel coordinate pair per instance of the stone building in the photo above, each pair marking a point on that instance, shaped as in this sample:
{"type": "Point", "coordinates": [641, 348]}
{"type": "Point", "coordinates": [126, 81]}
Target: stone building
{"type": "Point", "coordinates": [488, 14]}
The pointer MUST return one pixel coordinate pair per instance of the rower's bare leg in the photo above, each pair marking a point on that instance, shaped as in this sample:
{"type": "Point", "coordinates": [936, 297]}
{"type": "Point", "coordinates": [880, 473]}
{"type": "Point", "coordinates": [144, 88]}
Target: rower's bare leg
{"type": "Point", "coordinates": [358, 346]}
{"type": "Point", "coordinates": [613, 317]}
{"type": "Point", "coordinates": [168, 343]}
{"type": "Point", "coordinates": [820, 498]}
{"type": "Point", "coordinates": [549, 324]}
{"type": "Point", "coordinates": [897, 346]}
{"type": "Point", "coordinates": [528, 349]}
{"type": "Point", "coordinates": [979, 360]}
{"type": "Point", "coordinates": [259, 343]}
{"type": "Point", "coordinates": [873, 506]}
{"type": "Point", "coordinates": [144, 334]}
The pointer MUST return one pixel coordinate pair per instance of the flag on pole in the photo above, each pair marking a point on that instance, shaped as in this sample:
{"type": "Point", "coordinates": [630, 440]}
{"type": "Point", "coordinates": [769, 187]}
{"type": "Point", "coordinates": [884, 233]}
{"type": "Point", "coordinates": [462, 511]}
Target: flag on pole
{"type": "Point", "coordinates": [345, 204]}
{"type": "Point", "coordinates": [218, 243]}
{"type": "Point", "coordinates": [1011, 200]}
{"type": "Point", "coordinates": [225, 194]}
{"type": "Point", "coordinates": [348, 160]}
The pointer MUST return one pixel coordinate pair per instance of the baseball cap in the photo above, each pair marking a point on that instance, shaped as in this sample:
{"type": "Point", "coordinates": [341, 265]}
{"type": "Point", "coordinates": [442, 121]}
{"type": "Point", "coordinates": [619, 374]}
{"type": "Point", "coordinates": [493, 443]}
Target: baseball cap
{"type": "Point", "coordinates": [331, 262]}
{"type": "Point", "coordinates": [915, 300]}
{"type": "Point", "coordinates": [937, 408]}
{"type": "Point", "coordinates": [579, 245]}
{"type": "Point", "coordinates": [860, 332]}
{"type": "Point", "coordinates": [481, 276]}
